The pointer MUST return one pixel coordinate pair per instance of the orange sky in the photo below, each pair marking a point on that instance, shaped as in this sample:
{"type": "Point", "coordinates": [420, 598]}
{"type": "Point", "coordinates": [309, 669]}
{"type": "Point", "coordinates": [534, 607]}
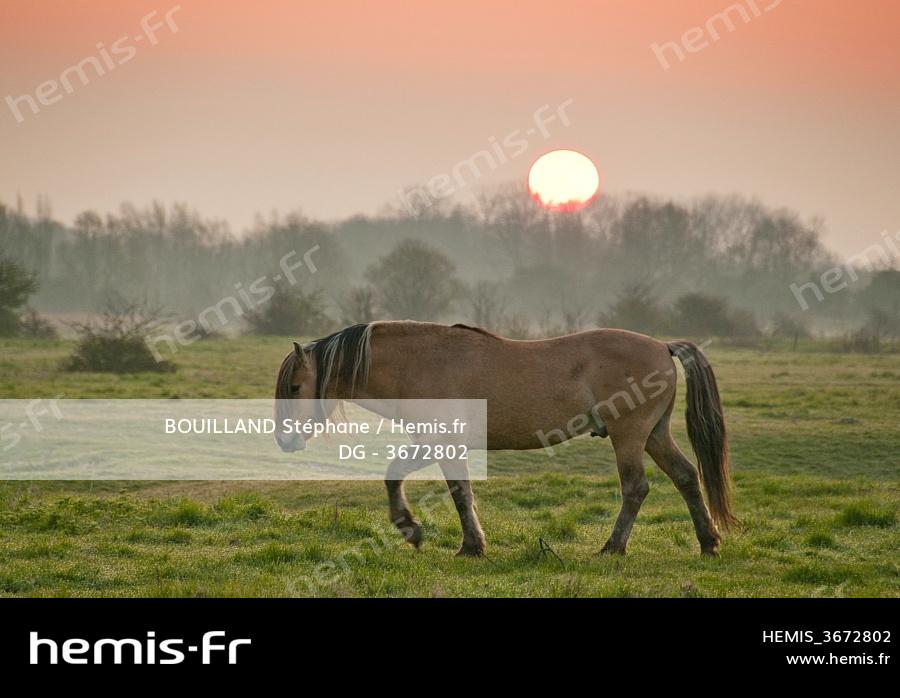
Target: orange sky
{"type": "Point", "coordinates": [331, 107]}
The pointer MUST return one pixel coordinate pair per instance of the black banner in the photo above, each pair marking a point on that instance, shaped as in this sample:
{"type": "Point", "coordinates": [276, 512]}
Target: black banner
{"type": "Point", "coordinates": [224, 637]}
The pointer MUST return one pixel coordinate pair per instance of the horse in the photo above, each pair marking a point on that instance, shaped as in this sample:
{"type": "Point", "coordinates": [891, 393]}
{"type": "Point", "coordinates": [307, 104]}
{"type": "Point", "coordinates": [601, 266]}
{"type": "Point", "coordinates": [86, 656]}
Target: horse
{"type": "Point", "coordinates": [606, 382]}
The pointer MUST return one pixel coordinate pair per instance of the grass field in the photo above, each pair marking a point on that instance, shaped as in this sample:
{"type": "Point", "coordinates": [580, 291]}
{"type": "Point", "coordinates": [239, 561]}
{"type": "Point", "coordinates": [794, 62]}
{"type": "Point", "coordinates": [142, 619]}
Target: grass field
{"type": "Point", "coordinates": [815, 443]}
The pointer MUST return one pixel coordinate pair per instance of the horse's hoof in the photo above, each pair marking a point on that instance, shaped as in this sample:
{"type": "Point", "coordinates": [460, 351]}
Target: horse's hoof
{"type": "Point", "coordinates": [471, 550]}
{"type": "Point", "coordinates": [709, 546]}
{"type": "Point", "coordinates": [415, 536]}
{"type": "Point", "coordinates": [612, 550]}
{"type": "Point", "coordinates": [411, 531]}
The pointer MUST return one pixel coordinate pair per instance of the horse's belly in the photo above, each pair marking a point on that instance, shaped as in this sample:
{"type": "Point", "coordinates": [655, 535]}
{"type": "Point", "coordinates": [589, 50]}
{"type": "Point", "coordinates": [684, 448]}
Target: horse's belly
{"type": "Point", "coordinates": [507, 442]}
{"type": "Point", "coordinates": [521, 439]}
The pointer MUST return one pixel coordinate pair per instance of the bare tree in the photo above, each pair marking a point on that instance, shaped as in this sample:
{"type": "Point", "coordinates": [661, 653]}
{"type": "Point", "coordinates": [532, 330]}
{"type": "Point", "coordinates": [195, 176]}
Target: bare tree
{"type": "Point", "coordinates": [358, 305]}
{"type": "Point", "coordinates": [487, 303]}
{"type": "Point", "coordinates": [514, 222]}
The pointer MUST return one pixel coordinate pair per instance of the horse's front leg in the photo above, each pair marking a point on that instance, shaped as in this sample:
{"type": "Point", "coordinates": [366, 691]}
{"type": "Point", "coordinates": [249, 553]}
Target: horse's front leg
{"type": "Point", "coordinates": [457, 475]}
{"type": "Point", "coordinates": [400, 514]}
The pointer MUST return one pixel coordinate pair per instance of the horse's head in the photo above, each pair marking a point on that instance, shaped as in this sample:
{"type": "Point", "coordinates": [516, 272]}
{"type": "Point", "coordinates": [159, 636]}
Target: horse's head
{"type": "Point", "coordinates": [313, 382]}
{"type": "Point", "coordinates": [296, 382]}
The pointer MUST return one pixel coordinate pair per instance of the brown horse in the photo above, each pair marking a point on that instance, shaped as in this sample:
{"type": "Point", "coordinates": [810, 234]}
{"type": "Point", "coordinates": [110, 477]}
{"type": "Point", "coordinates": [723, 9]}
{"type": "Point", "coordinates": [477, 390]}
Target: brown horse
{"type": "Point", "coordinates": [539, 392]}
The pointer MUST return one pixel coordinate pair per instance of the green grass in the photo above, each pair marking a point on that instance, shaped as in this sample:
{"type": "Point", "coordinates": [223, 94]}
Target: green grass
{"type": "Point", "coordinates": [816, 459]}
{"type": "Point", "coordinates": [868, 514]}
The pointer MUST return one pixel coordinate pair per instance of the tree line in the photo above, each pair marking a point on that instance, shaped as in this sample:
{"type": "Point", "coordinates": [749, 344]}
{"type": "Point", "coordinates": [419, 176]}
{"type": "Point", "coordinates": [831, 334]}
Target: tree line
{"type": "Point", "coordinates": [714, 266]}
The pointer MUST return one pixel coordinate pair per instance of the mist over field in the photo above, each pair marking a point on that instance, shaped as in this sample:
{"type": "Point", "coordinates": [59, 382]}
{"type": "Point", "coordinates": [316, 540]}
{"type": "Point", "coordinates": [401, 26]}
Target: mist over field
{"type": "Point", "coordinates": [715, 266]}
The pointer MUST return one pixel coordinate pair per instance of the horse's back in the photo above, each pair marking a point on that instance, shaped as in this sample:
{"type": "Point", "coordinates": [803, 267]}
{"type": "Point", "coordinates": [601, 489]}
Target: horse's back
{"type": "Point", "coordinates": [532, 387]}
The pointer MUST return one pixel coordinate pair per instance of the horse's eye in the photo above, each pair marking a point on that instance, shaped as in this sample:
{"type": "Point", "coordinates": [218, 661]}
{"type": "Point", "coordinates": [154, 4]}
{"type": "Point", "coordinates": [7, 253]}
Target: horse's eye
{"type": "Point", "coordinates": [295, 389]}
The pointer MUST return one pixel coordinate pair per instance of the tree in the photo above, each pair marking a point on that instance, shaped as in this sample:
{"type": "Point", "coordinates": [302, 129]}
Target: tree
{"type": "Point", "coordinates": [655, 242]}
{"type": "Point", "coordinates": [486, 303]}
{"type": "Point", "coordinates": [883, 293]}
{"type": "Point", "coordinates": [880, 301]}
{"type": "Point", "coordinates": [882, 325]}
{"type": "Point", "coordinates": [33, 326]}
{"type": "Point", "coordinates": [358, 305]}
{"type": "Point", "coordinates": [16, 285]}
{"type": "Point", "coordinates": [415, 281]}
{"type": "Point", "coordinates": [511, 218]}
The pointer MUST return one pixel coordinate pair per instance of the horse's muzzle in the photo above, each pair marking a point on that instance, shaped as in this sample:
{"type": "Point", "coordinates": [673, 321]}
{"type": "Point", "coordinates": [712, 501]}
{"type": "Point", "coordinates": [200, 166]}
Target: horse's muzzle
{"type": "Point", "coordinates": [290, 442]}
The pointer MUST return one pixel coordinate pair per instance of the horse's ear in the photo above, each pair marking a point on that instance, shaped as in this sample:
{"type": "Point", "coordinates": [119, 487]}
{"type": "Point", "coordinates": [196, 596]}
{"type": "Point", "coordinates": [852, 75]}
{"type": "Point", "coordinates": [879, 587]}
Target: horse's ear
{"type": "Point", "coordinates": [298, 351]}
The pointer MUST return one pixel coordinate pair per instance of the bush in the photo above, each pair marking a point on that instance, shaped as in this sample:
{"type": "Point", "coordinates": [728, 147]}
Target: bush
{"type": "Point", "coordinates": [117, 344]}
{"type": "Point", "coordinates": [698, 314]}
{"type": "Point", "coordinates": [703, 315]}
{"type": "Point", "coordinates": [743, 324]}
{"type": "Point", "coordinates": [861, 341]}
{"type": "Point", "coordinates": [16, 285]}
{"type": "Point", "coordinates": [33, 326]}
{"type": "Point", "coordinates": [291, 313]}
{"type": "Point", "coordinates": [636, 309]}
{"type": "Point", "coordinates": [790, 327]}
{"type": "Point", "coordinates": [876, 335]}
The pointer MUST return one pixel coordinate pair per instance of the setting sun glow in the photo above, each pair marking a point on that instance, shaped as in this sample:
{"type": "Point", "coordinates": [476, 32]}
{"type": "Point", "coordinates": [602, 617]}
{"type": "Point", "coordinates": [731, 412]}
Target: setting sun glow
{"type": "Point", "coordinates": [563, 180]}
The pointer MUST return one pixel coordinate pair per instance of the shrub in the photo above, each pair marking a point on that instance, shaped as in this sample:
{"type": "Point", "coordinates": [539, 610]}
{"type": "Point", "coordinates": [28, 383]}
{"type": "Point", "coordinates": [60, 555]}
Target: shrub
{"type": "Point", "coordinates": [16, 285]}
{"type": "Point", "coordinates": [790, 327]}
{"type": "Point", "coordinates": [870, 338]}
{"type": "Point", "coordinates": [636, 309]}
{"type": "Point", "coordinates": [33, 326]}
{"type": "Point", "coordinates": [703, 315]}
{"type": "Point", "coordinates": [743, 324]}
{"type": "Point", "coordinates": [881, 325]}
{"type": "Point", "coordinates": [291, 312]}
{"type": "Point", "coordinates": [698, 314]}
{"type": "Point", "coordinates": [117, 344]}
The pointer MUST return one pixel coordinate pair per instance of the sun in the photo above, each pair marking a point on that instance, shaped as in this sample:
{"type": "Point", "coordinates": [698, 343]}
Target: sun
{"type": "Point", "coordinates": [563, 180]}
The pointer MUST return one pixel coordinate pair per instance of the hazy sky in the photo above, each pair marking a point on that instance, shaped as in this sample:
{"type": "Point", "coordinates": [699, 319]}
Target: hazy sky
{"type": "Point", "coordinates": [331, 107]}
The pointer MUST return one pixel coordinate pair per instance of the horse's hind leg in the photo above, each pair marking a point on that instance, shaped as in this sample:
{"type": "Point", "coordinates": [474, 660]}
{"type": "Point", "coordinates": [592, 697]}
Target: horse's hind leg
{"type": "Point", "coordinates": [400, 514]}
{"type": "Point", "coordinates": [665, 452]}
{"type": "Point", "coordinates": [633, 479]}
{"type": "Point", "coordinates": [457, 475]}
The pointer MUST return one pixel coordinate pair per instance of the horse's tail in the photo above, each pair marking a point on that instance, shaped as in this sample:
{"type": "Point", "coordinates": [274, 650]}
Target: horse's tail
{"type": "Point", "coordinates": [706, 429]}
